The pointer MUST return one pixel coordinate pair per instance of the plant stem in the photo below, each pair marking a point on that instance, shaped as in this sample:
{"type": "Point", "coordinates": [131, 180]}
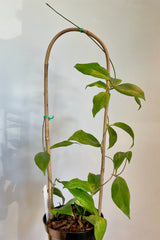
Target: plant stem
{"type": "Point", "coordinates": [109, 158]}
{"type": "Point", "coordinates": [62, 15]}
{"type": "Point", "coordinates": [122, 169]}
{"type": "Point", "coordinates": [43, 145]}
{"type": "Point", "coordinates": [68, 20]}
{"type": "Point", "coordinates": [109, 179]}
{"type": "Point", "coordinates": [114, 70]}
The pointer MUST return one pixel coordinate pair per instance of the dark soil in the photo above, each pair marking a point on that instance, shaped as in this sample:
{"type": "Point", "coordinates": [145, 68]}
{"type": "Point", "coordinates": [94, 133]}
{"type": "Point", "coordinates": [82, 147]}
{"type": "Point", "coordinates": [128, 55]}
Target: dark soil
{"type": "Point", "coordinates": [68, 223]}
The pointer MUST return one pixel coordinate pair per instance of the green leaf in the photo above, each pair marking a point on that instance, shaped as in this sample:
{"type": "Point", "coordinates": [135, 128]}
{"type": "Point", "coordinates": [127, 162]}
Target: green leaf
{"type": "Point", "coordinates": [138, 102]}
{"type": "Point", "coordinates": [118, 159]}
{"type": "Point", "coordinates": [130, 90]}
{"type": "Point", "coordinates": [42, 159]}
{"type": "Point", "coordinates": [61, 144]}
{"type": "Point", "coordinates": [84, 199]}
{"type": "Point", "coordinates": [115, 81]}
{"type": "Point", "coordinates": [66, 209]}
{"type": "Point", "coordinates": [121, 195]}
{"type": "Point", "coordinates": [93, 69]}
{"type": "Point", "coordinates": [77, 183]}
{"type": "Point", "coordinates": [98, 84]}
{"type": "Point", "coordinates": [129, 156]}
{"type": "Point", "coordinates": [126, 128]}
{"type": "Point", "coordinates": [100, 101]}
{"type": "Point", "coordinates": [58, 193]}
{"type": "Point", "coordinates": [80, 209]}
{"type": "Point", "coordinates": [63, 182]}
{"type": "Point", "coordinates": [85, 138]}
{"type": "Point", "coordinates": [112, 136]}
{"type": "Point", "coordinates": [100, 225]}
{"type": "Point", "coordinates": [94, 182]}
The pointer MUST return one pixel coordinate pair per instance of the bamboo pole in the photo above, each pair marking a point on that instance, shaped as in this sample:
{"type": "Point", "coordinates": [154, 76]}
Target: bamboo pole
{"type": "Point", "coordinates": [46, 110]}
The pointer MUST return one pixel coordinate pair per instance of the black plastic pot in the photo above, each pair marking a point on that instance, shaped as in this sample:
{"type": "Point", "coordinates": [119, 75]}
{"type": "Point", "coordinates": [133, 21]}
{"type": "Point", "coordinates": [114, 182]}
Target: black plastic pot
{"type": "Point", "coordinates": [58, 235]}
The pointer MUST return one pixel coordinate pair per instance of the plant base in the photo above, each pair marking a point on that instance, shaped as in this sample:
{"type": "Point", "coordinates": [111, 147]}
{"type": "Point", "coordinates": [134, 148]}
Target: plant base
{"type": "Point", "coordinates": [59, 235]}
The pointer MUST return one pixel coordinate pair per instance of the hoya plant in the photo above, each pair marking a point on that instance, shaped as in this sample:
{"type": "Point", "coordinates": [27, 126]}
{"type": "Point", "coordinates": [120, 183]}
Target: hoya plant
{"type": "Point", "coordinates": [83, 191]}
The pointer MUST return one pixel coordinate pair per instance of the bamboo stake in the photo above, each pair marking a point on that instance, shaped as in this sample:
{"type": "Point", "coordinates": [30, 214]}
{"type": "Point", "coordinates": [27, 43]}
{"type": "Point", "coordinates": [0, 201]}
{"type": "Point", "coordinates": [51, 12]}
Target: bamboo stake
{"type": "Point", "coordinates": [103, 152]}
{"type": "Point", "coordinates": [46, 110]}
{"type": "Point", "coordinates": [47, 140]}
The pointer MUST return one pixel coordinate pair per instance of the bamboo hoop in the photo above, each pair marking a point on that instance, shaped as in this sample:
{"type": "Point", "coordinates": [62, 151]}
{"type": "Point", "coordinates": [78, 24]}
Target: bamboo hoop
{"type": "Point", "coordinates": [46, 112]}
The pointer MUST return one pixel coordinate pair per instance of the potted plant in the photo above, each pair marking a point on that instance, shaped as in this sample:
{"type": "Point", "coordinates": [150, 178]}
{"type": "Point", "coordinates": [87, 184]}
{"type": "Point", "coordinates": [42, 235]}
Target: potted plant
{"type": "Point", "coordinates": [79, 218]}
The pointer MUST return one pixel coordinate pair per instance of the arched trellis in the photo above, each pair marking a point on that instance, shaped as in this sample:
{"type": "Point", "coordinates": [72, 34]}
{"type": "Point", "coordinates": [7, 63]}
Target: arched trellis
{"type": "Point", "coordinates": [46, 112]}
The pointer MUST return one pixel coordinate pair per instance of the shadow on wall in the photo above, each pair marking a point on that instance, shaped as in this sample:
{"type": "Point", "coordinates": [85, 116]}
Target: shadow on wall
{"type": "Point", "coordinates": [18, 107]}
{"type": "Point", "coordinates": [17, 182]}
{"type": "Point", "coordinates": [10, 142]}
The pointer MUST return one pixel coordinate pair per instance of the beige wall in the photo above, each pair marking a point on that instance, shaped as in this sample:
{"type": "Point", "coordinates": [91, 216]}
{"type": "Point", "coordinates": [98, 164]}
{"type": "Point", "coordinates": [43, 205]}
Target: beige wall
{"type": "Point", "coordinates": [130, 29]}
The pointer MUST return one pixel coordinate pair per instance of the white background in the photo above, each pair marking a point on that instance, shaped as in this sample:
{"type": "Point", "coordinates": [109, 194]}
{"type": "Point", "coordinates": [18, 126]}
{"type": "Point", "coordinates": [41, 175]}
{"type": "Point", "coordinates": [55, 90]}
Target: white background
{"type": "Point", "coordinates": [131, 31]}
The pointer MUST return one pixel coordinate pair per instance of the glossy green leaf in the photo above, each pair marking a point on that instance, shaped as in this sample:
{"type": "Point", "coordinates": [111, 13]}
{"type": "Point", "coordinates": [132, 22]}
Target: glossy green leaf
{"type": "Point", "coordinates": [118, 159]}
{"type": "Point", "coordinates": [100, 101]}
{"type": "Point", "coordinates": [100, 225]}
{"type": "Point", "coordinates": [126, 128]}
{"type": "Point", "coordinates": [79, 204]}
{"type": "Point", "coordinates": [85, 138]}
{"type": "Point", "coordinates": [61, 144]}
{"type": "Point", "coordinates": [115, 81]}
{"type": "Point", "coordinates": [58, 193]}
{"type": "Point", "coordinates": [130, 90]}
{"type": "Point", "coordinates": [84, 199]}
{"type": "Point", "coordinates": [98, 84]}
{"type": "Point", "coordinates": [112, 136]}
{"type": "Point", "coordinates": [77, 183]}
{"type": "Point", "coordinates": [42, 159]}
{"type": "Point", "coordinates": [93, 69]}
{"type": "Point", "coordinates": [66, 209]}
{"type": "Point", "coordinates": [121, 195]}
{"type": "Point", "coordinates": [94, 182]}
{"type": "Point", "coordinates": [138, 102]}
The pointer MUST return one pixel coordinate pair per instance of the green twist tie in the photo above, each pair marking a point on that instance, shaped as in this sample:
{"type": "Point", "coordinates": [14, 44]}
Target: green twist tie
{"type": "Point", "coordinates": [81, 29]}
{"type": "Point", "coordinates": [49, 117]}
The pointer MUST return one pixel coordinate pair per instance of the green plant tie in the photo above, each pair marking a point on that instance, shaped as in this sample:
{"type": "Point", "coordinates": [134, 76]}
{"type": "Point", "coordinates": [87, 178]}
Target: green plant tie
{"type": "Point", "coordinates": [81, 29]}
{"type": "Point", "coordinates": [49, 117]}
